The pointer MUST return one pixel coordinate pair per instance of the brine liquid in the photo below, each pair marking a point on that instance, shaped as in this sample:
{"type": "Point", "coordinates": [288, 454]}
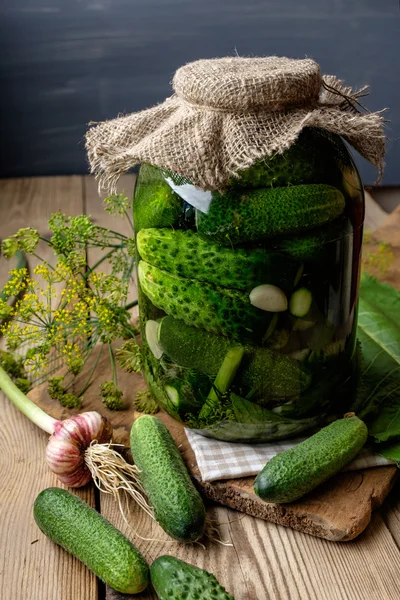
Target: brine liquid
{"type": "Point", "coordinates": [295, 370]}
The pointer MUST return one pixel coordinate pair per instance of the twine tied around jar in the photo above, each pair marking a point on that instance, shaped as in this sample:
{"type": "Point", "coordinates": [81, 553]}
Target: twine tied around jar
{"type": "Point", "coordinates": [228, 113]}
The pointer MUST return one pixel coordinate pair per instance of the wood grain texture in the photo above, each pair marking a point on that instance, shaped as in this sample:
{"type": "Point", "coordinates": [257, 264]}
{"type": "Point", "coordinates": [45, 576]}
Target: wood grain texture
{"type": "Point", "coordinates": [266, 561]}
{"type": "Point", "coordinates": [29, 202]}
{"type": "Point", "coordinates": [375, 216]}
{"type": "Point", "coordinates": [31, 566]}
{"type": "Point", "coordinates": [388, 231]}
{"type": "Point", "coordinates": [338, 511]}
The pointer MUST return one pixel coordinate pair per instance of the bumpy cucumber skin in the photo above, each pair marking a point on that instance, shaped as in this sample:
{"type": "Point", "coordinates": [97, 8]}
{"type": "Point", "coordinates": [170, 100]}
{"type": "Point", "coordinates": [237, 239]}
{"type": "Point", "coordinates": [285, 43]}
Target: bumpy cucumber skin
{"type": "Point", "coordinates": [186, 254]}
{"type": "Point", "coordinates": [234, 218]}
{"type": "Point", "coordinates": [264, 371]}
{"type": "Point", "coordinates": [177, 505]}
{"type": "Point", "coordinates": [292, 474]}
{"type": "Point", "coordinates": [310, 159]}
{"type": "Point", "coordinates": [271, 374]}
{"type": "Point", "coordinates": [79, 529]}
{"type": "Point", "coordinates": [174, 579]}
{"type": "Point", "coordinates": [219, 310]}
{"type": "Point", "coordinates": [155, 203]}
{"type": "Point", "coordinates": [314, 246]}
{"type": "Point", "coordinates": [191, 347]}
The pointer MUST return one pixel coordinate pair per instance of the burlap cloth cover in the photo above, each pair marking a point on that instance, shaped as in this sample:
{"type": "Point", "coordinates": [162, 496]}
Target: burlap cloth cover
{"type": "Point", "coordinates": [226, 114]}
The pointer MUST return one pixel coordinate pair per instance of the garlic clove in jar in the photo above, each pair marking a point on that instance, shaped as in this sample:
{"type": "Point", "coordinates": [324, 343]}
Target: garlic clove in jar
{"type": "Point", "coordinates": [268, 297]}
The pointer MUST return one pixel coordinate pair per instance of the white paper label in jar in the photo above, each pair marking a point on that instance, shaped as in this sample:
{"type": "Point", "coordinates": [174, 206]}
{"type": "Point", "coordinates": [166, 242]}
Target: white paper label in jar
{"type": "Point", "coordinates": [194, 196]}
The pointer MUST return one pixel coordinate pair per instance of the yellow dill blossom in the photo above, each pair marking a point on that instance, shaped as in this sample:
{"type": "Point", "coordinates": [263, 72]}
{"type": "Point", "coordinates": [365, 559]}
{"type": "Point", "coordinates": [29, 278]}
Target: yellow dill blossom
{"type": "Point", "coordinates": [6, 310]}
{"type": "Point", "coordinates": [30, 306]}
{"type": "Point", "coordinates": [17, 334]}
{"type": "Point", "coordinates": [17, 282]}
{"type": "Point", "coordinates": [380, 260]}
{"type": "Point", "coordinates": [36, 364]}
{"type": "Point", "coordinates": [64, 325]}
{"type": "Point", "coordinates": [109, 287]}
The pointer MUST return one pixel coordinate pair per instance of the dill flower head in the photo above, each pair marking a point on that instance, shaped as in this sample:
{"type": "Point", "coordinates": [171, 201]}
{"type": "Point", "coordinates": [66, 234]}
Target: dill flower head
{"type": "Point", "coordinates": [116, 204]}
{"type": "Point", "coordinates": [26, 240]}
{"type": "Point", "coordinates": [145, 403]}
{"type": "Point", "coordinates": [9, 247]}
{"type": "Point", "coordinates": [70, 401]}
{"type": "Point", "coordinates": [54, 387]}
{"type": "Point", "coordinates": [111, 395]}
{"type": "Point", "coordinates": [129, 357]}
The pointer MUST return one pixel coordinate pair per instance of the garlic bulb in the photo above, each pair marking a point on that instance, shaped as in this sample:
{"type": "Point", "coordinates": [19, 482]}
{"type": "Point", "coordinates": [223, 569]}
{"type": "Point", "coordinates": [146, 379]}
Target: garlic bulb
{"type": "Point", "coordinates": [80, 449]}
{"type": "Point", "coordinates": [65, 453]}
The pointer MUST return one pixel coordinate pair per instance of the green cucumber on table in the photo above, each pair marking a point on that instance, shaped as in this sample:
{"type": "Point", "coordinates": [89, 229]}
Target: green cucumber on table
{"type": "Point", "coordinates": [295, 472]}
{"type": "Point", "coordinates": [235, 218]}
{"type": "Point", "coordinates": [185, 253]}
{"type": "Point", "coordinates": [177, 505]}
{"type": "Point", "coordinates": [79, 529]}
{"type": "Point", "coordinates": [219, 310]}
{"type": "Point", "coordinates": [174, 579]}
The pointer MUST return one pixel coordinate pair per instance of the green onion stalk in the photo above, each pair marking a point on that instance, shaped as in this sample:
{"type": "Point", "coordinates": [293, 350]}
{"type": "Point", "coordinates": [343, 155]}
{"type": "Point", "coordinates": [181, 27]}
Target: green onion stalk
{"type": "Point", "coordinates": [80, 448]}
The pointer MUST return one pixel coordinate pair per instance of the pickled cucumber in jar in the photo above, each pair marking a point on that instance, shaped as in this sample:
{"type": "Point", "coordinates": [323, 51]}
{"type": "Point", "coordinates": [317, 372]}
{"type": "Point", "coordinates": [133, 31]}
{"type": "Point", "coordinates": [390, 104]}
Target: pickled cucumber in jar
{"type": "Point", "coordinates": [247, 295]}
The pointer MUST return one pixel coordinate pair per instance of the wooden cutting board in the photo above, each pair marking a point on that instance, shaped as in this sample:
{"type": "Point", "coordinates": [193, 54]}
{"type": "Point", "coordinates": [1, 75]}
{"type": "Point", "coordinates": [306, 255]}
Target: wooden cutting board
{"type": "Point", "coordinates": [338, 511]}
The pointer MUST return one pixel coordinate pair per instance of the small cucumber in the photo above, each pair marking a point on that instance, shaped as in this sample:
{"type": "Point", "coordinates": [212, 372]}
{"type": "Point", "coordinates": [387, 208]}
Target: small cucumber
{"type": "Point", "coordinates": [185, 253]}
{"type": "Point", "coordinates": [177, 505]}
{"type": "Point", "coordinates": [79, 529]}
{"type": "Point", "coordinates": [295, 472]}
{"type": "Point", "coordinates": [155, 204]}
{"type": "Point", "coordinates": [316, 245]}
{"type": "Point", "coordinates": [191, 347]}
{"type": "Point", "coordinates": [185, 388]}
{"type": "Point", "coordinates": [174, 579]}
{"type": "Point", "coordinates": [216, 309]}
{"type": "Point", "coordinates": [234, 217]}
{"type": "Point", "coordinates": [311, 159]}
{"type": "Point", "coordinates": [183, 396]}
{"type": "Point", "coordinates": [262, 370]}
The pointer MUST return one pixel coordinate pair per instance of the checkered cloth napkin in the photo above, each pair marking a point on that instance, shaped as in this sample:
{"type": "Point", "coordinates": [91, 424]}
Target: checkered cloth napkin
{"type": "Point", "coordinates": [225, 460]}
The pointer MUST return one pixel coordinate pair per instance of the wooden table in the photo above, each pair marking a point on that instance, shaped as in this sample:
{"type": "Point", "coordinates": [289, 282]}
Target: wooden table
{"type": "Point", "coordinates": [265, 562]}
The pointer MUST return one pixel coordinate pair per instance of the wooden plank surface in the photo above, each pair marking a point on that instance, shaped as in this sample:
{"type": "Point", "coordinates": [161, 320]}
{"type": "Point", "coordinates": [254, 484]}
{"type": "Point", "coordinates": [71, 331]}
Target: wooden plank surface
{"type": "Point", "coordinates": [32, 567]}
{"type": "Point", "coordinates": [375, 216]}
{"type": "Point", "coordinates": [109, 508]}
{"type": "Point", "coordinates": [337, 511]}
{"type": "Point", "coordinates": [266, 561]}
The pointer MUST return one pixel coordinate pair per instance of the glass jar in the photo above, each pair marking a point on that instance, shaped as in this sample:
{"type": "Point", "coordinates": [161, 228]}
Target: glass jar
{"type": "Point", "coordinates": [248, 296]}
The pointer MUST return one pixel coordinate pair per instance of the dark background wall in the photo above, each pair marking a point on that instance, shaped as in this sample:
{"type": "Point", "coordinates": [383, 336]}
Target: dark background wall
{"type": "Point", "coordinates": [66, 62]}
